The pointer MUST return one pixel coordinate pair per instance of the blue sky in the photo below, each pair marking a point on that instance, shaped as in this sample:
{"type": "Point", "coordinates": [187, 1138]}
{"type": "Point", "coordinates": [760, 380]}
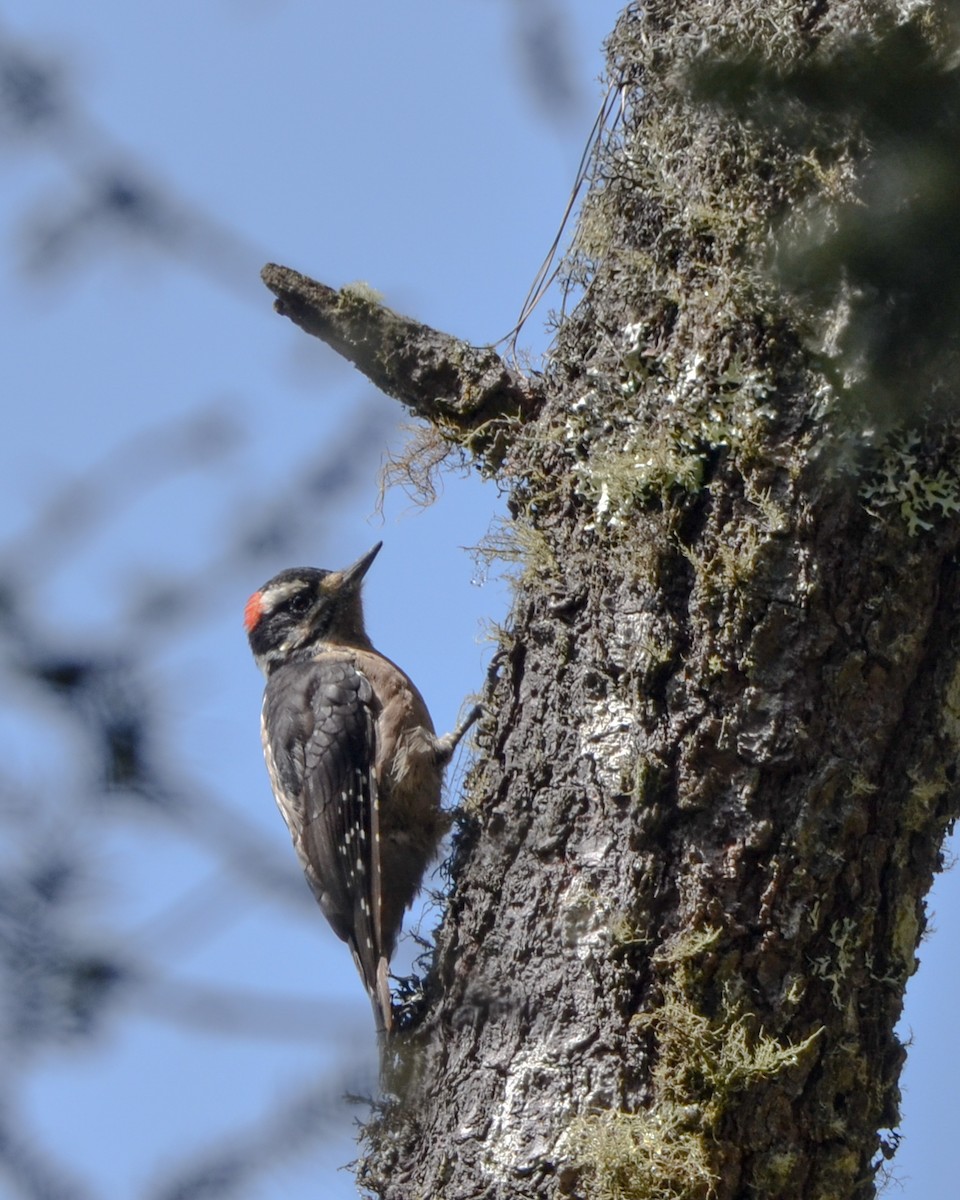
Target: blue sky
{"type": "Point", "coordinates": [400, 145]}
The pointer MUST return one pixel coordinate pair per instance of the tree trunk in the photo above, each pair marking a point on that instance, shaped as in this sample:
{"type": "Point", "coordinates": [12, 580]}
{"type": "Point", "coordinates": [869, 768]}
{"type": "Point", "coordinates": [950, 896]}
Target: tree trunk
{"type": "Point", "coordinates": [718, 758]}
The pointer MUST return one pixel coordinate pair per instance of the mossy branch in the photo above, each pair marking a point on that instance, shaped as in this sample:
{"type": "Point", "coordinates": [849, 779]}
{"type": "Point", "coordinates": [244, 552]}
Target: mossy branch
{"type": "Point", "coordinates": [461, 388]}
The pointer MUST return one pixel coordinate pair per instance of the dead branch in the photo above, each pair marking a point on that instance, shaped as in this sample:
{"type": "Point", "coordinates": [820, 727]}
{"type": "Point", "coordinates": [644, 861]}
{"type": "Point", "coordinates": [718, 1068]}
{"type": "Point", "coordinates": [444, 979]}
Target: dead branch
{"type": "Point", "coordinates": [457, 386]}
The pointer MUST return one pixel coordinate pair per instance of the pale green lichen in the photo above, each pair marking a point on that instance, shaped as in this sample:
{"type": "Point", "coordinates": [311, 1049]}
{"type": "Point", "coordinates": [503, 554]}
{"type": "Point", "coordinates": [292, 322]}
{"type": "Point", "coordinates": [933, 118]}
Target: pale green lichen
{"type": "Point", "coordinates": [900, 484]}
{"type": "Point", "coordinates": [620, 465]}
{"type": "Point", "coordinates": [360, 292]}
{"type": "Point", "coordinates": [774, 1172]}
{"type": "Point", "coordinates": [923, 797]}
{"type": "Point", "coordinates": [618, 481]}
{"type": "Point", "coordinates": [640, 1156]}
{"type": "Point", "coordinates": [845, 936]}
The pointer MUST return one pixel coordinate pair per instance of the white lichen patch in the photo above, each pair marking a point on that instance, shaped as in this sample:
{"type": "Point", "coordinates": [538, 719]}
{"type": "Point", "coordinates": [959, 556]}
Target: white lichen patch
{"type": "Point", "coordinates": [518, 1137]}
{"type": "Point", "coordinates": [634, 346]}
{"type": "Point", "coordinates": [606, 739]}
{"type": "Point", "coordinates": [584, 926]}
{"type": "Point", "coordinates": [620, 463]}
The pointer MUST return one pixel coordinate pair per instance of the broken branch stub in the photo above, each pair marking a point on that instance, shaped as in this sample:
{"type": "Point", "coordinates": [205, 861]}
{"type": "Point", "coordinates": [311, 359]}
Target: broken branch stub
{"type": "Point", "coordinates": [457, 386]}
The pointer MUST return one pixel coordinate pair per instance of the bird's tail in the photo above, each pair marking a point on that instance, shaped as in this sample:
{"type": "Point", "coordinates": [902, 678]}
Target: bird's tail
{"type": "Point", "coordinates": [380, 998]}
{"type": "Point", "coordinates": [378, 989]}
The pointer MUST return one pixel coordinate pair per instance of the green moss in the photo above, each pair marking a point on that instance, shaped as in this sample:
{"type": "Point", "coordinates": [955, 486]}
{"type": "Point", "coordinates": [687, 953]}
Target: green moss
{"type": "Point", "coordinates": [621, 465]}
{"type": "Point", "coordinates": [861, 786]}
{"type": "Point", "coordinates": [640, 778]}
{"type": "Point", "coordinates": [666, 1152]}
{"type": "Point", "coordinates": [906, 936]}
{"type": "Point", "coordinates": [840, 1173]}
{"type": "Point", "coordinates": [707, 1060]}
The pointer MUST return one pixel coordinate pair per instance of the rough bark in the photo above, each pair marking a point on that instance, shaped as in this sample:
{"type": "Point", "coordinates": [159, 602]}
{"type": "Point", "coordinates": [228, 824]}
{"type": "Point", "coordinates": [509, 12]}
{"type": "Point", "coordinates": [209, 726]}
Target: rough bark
{"type": "Point", "coordinates": [719, 757]}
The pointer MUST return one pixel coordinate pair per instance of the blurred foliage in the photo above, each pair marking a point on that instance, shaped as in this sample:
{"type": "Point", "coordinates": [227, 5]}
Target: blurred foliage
{"type": "Point", "coordinates": [56, 985]}
{"type": "Point", "coordinates": [888, 256]}
{"type": "Point", "coordinates": [297, 1124]}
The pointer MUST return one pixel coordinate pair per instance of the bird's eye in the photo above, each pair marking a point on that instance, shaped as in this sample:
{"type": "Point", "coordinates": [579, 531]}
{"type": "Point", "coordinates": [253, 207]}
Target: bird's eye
{"type": "Point", "coordinates": [298, 604]}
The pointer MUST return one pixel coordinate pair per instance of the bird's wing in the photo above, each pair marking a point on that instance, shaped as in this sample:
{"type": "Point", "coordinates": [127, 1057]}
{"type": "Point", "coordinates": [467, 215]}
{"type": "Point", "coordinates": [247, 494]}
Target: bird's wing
{"type": "Point", "coordinates": [320, 743]}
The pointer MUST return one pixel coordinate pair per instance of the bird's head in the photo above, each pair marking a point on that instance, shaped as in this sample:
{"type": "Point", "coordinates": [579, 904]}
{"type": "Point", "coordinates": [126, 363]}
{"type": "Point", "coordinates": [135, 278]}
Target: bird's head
{"type": "Point", "coordinates": [303, 607]}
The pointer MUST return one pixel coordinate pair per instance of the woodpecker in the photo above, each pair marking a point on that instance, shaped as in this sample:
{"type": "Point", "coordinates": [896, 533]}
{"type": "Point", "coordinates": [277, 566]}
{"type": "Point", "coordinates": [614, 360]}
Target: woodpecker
{"type": "Point", "coordinates": [355, 765]}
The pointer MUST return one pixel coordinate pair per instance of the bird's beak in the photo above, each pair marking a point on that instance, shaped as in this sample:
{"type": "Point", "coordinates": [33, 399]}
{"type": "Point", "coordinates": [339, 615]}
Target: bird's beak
{"type": "Point", "coordinates": [350, 579]}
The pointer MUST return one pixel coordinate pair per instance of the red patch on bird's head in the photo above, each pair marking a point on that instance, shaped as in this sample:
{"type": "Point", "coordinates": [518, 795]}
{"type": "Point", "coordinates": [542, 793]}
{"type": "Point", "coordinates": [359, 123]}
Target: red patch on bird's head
{"type": "Point", "coordinates": [253, 612]}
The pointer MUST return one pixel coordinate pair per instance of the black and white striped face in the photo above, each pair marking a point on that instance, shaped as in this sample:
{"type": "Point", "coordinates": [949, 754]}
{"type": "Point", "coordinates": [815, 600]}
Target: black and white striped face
{"type": "Point", "coordinates": [287, 614]}
{"type": "Point", "coordinates": [302, 607]}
